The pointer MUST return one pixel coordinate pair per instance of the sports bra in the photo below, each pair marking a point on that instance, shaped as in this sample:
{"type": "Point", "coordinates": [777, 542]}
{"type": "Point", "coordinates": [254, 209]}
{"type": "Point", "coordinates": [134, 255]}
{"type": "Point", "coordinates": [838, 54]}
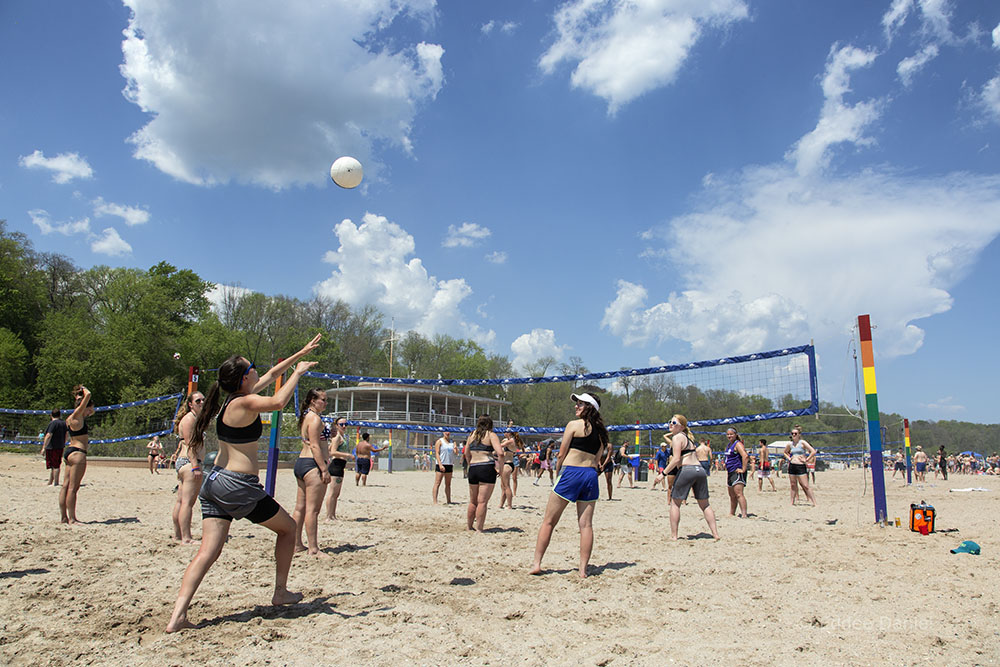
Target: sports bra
{"type": "Point", "coordinates": [478, 446]}
{"type": "Point", "coordinates": [234, 435]}
{"type": "Point", "coordinates": [689, 449]}
{"type": "Point", "coordinates": [591, 444]}
{"type": "Point", "coordinates": [83, 430]}
{"type": "Point", "coordinates": [797, 450]}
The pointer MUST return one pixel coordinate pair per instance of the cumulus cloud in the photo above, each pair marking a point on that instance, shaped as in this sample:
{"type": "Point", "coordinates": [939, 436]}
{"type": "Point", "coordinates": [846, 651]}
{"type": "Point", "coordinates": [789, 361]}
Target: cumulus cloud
{"type": "Point", "coordinates": [220, 295]}
{"type": "Point", "coordinates": [909, 67]}
{"type": "Point", "coordinates": [996, 37]}
{"type": "Point", "coordinates": [818, 248]}
{"type": "Point", "coordinates": [497, 257]}
{"type": "Point", "coordinates": [530, 347]}
{"type": "Point", "coordinates": [624, 49]}
{"type": "Point", "coordinates": [65, 167]}
{"type": "Point", "coordinates": [270, 93]}
{"type": "Point", "coordinates": [41, 219]}
{"type": "Point", "coordinates": [839, 122]}
{"type": "Point", "coordinates": [374, 265]}
{"type": "Point", "coordinates": [110, 243]}
{"type": "Point", "coordinates": [132, 215]}
{"type": "Point", "coordinates": [466, 235]}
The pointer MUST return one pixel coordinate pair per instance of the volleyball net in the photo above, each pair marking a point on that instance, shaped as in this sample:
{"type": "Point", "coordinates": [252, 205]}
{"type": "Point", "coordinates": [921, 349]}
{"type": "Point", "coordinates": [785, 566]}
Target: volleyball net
{"type": "Point", "coordinates": [109, 425]}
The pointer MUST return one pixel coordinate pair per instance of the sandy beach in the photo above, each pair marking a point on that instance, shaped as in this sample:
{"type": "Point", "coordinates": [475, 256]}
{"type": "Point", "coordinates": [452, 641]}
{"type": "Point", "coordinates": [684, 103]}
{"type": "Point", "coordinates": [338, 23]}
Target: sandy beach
{"type": "Point", "coordinates": [405, 583]}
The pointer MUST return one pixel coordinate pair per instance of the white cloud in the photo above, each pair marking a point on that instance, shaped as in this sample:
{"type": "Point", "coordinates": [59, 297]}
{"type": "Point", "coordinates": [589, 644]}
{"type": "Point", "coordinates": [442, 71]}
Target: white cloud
{"type": "Point", "coordinates": [531, 347]}
{"type": "Point", "coordinates": [110, 243]}
{"type": "Point", "coordinates": [497, 257]}
{"type": "Point", "coordinates": [839, 122]}
{"type": "Point", "coordinates": [487, 27]}
{"type": "Point", "coordinates": [467, 235]}
{"type": "Point", "coordinates": [271, 93]}
{"type": "Point", "coordinates": [625, 49]}
{"type": "Point", "coordinates": [656, 360]}
{"type": "Point", "coordinates": [895, 17]}
{"type": "Point", "coordinates": [64, 167]}
{"type": "Point", "coordinates": [909, 67]}
{"type": "Point", "coordinates": [132, 215]}
{"type": "Point", "coordinates": [508, 27]}
{"type": "Point", "coordinates": [946, 404]}
{"type": "Point", "coordinates": [819, 247]}
{"type": "Point", "coordinates": [991, 98]}
{"type": "Point", "coordinates": [220, 293]}
{"type": "Point", "coordinates": [996, 37]}
{"type": "Point", "coordinates": [374, 266]}
{"type": "Point", "coordinates": [40, 218]}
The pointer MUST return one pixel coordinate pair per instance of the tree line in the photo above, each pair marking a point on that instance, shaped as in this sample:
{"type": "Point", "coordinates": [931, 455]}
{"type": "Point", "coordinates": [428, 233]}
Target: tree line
{"type": "Point", "coordinates": [116, 330]}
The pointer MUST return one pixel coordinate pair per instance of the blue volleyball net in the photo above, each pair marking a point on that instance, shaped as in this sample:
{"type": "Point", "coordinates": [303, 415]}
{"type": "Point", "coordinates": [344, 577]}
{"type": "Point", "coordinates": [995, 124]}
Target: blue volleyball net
{"type": "Point", "coordinates": [110, 424]}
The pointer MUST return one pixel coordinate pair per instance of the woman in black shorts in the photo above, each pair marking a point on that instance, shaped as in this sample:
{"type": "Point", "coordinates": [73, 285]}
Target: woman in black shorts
{"type": "Point", "coordinates": [338, 462]}
{"type": "Point", "coordinates": [797, 453]}
{"type": "Point", "coordinates": [231, 489]}
{"type": "Point", "coordinates": [485, 456]}
{"type": "Point", "coordinates": [691, 475]}
{"type": "Point", "coordinates": [311, 471]}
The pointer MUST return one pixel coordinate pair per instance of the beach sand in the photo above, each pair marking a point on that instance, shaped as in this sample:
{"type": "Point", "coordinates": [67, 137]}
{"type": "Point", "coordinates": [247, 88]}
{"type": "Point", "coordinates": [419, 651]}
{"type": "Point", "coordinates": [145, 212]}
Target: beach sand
{"type": "Point", "coordinates": [407, 584]}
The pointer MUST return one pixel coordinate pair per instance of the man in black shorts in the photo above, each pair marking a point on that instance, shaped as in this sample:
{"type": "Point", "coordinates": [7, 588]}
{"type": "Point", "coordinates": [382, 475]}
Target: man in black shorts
{"type": "Point", "coordinates": [53, 444]}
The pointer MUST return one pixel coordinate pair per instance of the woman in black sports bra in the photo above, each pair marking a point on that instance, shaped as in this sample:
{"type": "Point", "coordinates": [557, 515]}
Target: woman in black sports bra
{"type": "Point", "coordinates": [75, 455]}
{"type": "Point", "coordinates": [692, 475]}
{"type": "Point", "coordinates": [485, 456]}
{"type": "Point", "coordinates": [231, 489]}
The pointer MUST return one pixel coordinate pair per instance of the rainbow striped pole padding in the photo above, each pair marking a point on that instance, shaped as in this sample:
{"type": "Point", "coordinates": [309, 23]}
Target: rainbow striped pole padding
{"type": "Point", "coordinates": [906, 440]}
{"type": "Point", "coordinates": [871, 411]}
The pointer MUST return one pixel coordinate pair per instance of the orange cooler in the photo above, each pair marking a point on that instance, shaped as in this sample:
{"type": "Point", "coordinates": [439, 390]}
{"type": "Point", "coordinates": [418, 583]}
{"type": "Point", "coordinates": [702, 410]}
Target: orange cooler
{"type": "Point", "coordinates": [922, 514]}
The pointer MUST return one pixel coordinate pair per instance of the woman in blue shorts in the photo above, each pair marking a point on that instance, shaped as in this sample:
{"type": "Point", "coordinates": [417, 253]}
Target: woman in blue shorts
{"type": "Point", "coordinates": [232, 489]}
{"type": "Point", "coordinates": [691, 476]}
{"type": "Point", "coordinates": [580, 458]}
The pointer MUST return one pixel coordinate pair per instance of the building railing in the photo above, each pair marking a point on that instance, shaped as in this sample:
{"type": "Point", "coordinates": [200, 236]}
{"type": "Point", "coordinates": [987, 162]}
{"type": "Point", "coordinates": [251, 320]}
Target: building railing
{"type": "Point", "coordinates": [398, 416]}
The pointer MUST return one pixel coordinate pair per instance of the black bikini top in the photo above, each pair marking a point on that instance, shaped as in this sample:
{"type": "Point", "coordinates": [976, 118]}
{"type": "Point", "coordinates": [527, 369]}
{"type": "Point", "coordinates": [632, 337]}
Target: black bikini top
{"type": "Point", "coordinates": [591, 444]}
{"type": "Point", "coordinates": [689, 449]}
{"type": "Point", "coordinates": [234, 435]}
{"type": "Point", "coordinates": [479, 446]}
{"type": "Point", "coordinates": [83, 430]}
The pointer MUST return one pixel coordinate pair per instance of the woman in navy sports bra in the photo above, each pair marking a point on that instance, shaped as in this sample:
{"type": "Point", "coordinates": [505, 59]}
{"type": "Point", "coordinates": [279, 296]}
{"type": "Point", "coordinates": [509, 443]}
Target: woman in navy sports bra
{"type": "Point", "coordinates": [485, 456]}
{"type": "Point", "coordinates": [581, 455]}
{"type": "Point", "coordinates": [232, 490]}
{"type": "Point", "coordinates": [75, 455]}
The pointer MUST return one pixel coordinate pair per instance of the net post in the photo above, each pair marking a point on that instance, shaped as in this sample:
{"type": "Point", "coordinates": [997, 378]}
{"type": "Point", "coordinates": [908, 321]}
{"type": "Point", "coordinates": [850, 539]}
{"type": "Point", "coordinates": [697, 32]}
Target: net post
{"type": "Point", "coordinates": [906, 442]}
{"type": "Point", "coordinates": [275, 440]}
{"type": "Point", "coordinates": [192, 379]}
{"type": "Point", "coordinates": [871, 412]}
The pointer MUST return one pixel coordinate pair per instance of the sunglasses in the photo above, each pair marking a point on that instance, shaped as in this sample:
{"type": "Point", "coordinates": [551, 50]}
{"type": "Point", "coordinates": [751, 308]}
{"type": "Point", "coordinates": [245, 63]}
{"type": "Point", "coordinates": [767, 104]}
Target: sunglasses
{"type": "Point", "coordinates": [674, 422]}
{"type": "Point", "coordinates": [199, 400]}
{"type": "Point", "coordinates": [342, 424]}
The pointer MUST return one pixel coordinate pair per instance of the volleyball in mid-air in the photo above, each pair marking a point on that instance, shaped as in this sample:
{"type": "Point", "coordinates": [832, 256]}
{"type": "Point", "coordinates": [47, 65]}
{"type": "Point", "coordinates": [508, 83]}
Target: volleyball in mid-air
{"type": "Point", "coordinates": [346, 172]}
{"type": "Point", "coordinates": [177, 355]}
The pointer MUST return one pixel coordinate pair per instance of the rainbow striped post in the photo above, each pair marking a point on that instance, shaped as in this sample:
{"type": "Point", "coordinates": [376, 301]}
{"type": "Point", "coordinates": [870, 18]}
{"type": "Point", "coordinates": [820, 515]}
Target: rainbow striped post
{"type": "Point", "coordinates": [871, 411]}
{"type": "Point", "coordinates": [906, 440]}
{"type": "Point", "coordinates": [274, 442]}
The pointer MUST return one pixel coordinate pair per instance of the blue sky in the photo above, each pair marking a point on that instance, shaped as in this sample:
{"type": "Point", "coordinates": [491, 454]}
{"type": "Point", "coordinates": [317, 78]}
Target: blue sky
{"type": "Point", "coordinates": [632, 184]}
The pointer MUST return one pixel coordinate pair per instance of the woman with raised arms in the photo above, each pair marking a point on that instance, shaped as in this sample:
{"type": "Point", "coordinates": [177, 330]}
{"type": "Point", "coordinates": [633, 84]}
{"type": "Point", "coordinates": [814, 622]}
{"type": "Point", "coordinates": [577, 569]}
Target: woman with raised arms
{"type": "Point", "coordinates": [75, 455]}
{"type": "Point", "coordinates": [232, 489]}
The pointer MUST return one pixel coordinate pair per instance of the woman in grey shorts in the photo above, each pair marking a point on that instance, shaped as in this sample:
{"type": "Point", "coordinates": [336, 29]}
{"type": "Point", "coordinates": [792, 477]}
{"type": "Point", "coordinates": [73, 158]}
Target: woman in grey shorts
{"type": "Point", "coordinates": [692, 475]}
{"type": "Point", "coordinates": [231, 489]}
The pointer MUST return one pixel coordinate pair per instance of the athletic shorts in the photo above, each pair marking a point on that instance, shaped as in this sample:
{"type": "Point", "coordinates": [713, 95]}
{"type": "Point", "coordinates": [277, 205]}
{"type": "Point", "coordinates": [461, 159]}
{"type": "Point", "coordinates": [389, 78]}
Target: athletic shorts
{"type": "Point", "coordinates": [764, 473]}
{"type": "Point", "coordinates": [482, 473]}
{"type": "Point", "coordinates": [922, 467]}
{"type": "Point", "coordinates": [674, 472]}
{"type": "Point", "coordinates": [446, 469]}
{"type": "Point", "coordinates": [337, 467]}
{"type": "Point", "coordinates": [610, 467]}
{"type": "Point", "coordinates": [303, 466]}
{"type": "Point", "coordinates": [52, 458]}
{"type": "Point", "coordinates": [707, 465]}
{"type": "Point", "coordinates": [900, 466]}
{"type": "Point", "coordinates": [797, 469]}
{"type": "Point", "coordinates": [578, 484]}
{"type": "Point", "coordinates": [736, 478]}
{"type": "Point", "coordinates": [235, 495]}
{"type": "Point", "coordinates": [363, 466]}
{"type": "Point", "coordinates": [691, 477]}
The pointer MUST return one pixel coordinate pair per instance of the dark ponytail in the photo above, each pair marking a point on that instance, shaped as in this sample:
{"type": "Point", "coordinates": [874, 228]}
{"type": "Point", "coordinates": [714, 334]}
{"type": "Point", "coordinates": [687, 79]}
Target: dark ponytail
{"type": "Point", "coordinates": [230, 376]}
{"type": "Point", "coordinates": [592, 416]}
{"type": "Point", "coordinates": [310, 395]}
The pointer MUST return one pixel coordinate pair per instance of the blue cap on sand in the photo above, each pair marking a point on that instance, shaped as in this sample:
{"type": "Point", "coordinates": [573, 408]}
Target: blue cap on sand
{"type": "Point", "coordinates": [967, 547]}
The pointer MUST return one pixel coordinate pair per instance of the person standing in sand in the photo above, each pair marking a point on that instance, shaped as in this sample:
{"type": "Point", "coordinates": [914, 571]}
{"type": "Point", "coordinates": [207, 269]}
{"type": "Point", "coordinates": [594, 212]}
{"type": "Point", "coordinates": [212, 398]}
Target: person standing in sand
{"type": "Point", "coordinates": [75, 455]}
{"type": "Point", "coordinates": [485, 457]}
{"type": "Point", "coordinates": [580, 454]}
{"type": "Point", "coordinates": [509, 446]}
{"type": "Point", "coordinates": [943, 462]}
{"type": "Point", "coordinates": [608, 467]}
{"type": "Point", "coordinates": [232, 489]}
{"type": "Point", "coordinates": [363, 461]}
{"type": "Point", "coordinates": [662, 456]}
{"type": "Point", "coordinates": [797, 452]}
{"type": "Point", "coordinates": [154, 451]}
{"type": "Point", "coordinates": [692, 476]}
{"type": "Point", "coordinates": [187, 462]}
{"type": "Point", "coordinates": [338, 463]}
{"type": "Point", "coordinates": [53, 444]}
{"type": "Point", "coordinates": [736, 470]}
{"type": "Point", "coordinates": [312, 471]}
{"type": "Point", "coordinates": [920, 462]}
{"type": "Point", "coordinates": [444, 466]}
{"type": "Point", "coordinates": [624, 466]}
{"type": "Point", "coordinates": [764, 471]}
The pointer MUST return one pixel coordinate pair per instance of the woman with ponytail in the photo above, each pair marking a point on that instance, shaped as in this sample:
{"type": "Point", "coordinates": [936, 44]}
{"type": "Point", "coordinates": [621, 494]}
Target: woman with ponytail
{"type": "Point", "coordinates": [312, 470]}
{"type": "Point", "coordinates": [232, 489]}
{"type": "Point", "coordinates": [581, 456]}
{"type": "Point", "coordinates": [692, 474]}
{"type": "Point", "coordinates": [76, 454]}
{"type": "Point", "coordinates": [187, 461]}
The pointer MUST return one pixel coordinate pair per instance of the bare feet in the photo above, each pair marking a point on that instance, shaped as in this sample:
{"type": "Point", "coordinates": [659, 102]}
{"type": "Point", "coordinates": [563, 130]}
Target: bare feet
{"type": "Point", "coordinates": [319, 554]}
{"type": "Point", "coordinates": [536, 569]}
{"type": "Point", "coordinates": [180, 624]}
{"type": "Point", "coordinates": [282, 596]}
{"type": "Point", "coordinates": [299, 548]}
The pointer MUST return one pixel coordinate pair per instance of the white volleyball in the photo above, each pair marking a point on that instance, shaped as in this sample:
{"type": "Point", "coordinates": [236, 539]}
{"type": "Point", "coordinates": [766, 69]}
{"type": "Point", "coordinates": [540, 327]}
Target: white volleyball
{"type": "Point", "coordinates": [346, 172]}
